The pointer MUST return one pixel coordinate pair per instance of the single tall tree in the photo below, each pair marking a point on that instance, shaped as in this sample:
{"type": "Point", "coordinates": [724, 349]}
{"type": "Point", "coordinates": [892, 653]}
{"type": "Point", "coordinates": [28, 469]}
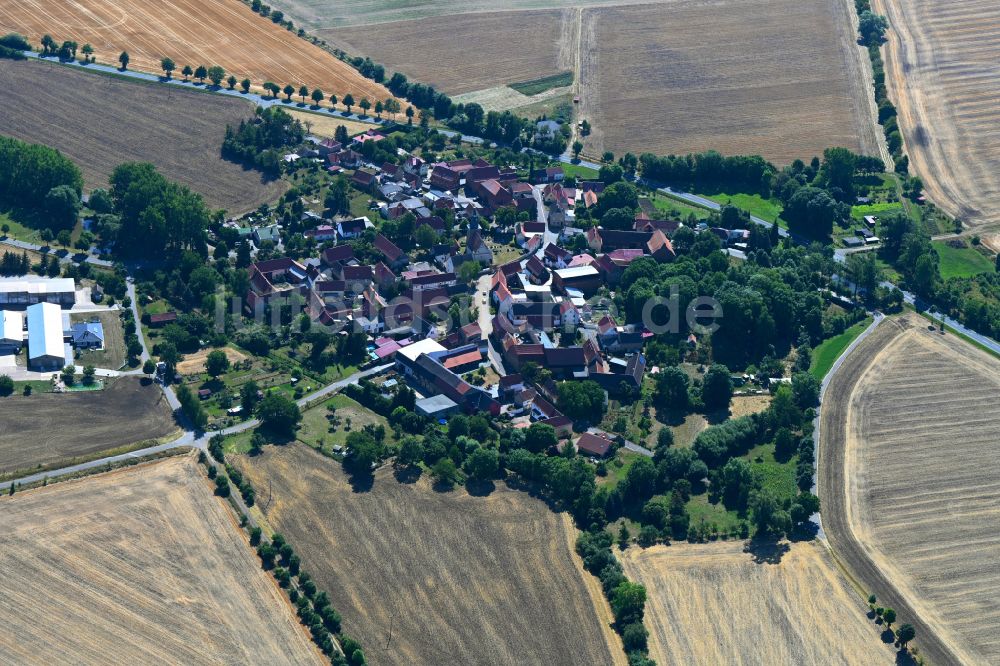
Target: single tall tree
{"type": "Point", "coordinates": [905, 634]}
{"type": "Point", "coordinates": [200, 73]}
{"type": "Point", "coordinates": [245, 85]}
{"type": "Point", "coordinates": [289, 90]}
{"type": "Point", "coordinates": [88, 53]}
{"type": "Point", "coordinates": [167, 65]}
{"type": "Point", "coordinates": [317, 96]}
{"type": "Point", "coordinates": [348, 102]}
{"type": "Point", "coordinates": [231, 82]}
{"type": "Point", "coordinates": [123, 59]}
{"type": "Point", "coordinates": [216, 74]}
{"type": "Point", "coordinates": [303, 93]}
{"type": "Point", "coordinates": [187, 71]}
{"type": "Point", "coordinates": [365, 105]}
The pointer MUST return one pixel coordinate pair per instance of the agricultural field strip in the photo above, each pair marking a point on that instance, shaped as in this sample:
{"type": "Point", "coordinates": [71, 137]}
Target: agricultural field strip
{"type": "Point", "coordinates": [442, 568]}
{"type": "Point", "coordinates": [943, 73]}
{"type": "Point", "coordinates": [713, 604]}
{"type": "Point", "coordinates": [706, 59]}
{"type": "Point", "coordinates": [226, 33]}
{"type": "Point", "coordinates": [141, 564]}
{"type": "Point", "coordinates": [138, 123]}
{"type": "Point", "coordinates": [925, 405]}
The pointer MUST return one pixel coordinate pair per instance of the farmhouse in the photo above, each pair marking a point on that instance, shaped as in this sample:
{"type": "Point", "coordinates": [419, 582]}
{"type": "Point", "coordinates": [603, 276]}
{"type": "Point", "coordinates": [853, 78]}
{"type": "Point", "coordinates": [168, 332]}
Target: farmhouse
{"type": "Point", "coordinates": [29, 290]}
{"type": "Point", "coordinates": [419, 362]}
{"type": "Point", "coordinates": [87, 335]}
{"type": "Point", "coordinates": [46, 351]}
{"type": "Point", "coordinates": [593, 445]}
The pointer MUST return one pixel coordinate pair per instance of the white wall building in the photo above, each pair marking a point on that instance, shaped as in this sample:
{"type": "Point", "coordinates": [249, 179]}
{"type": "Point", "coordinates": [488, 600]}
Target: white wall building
{"type": "Point", "coordinates": [46, 349]}
{"type": "Point", "coordinates": [11, 331]}
{"type": "Point", "coordinates": [28, 290]}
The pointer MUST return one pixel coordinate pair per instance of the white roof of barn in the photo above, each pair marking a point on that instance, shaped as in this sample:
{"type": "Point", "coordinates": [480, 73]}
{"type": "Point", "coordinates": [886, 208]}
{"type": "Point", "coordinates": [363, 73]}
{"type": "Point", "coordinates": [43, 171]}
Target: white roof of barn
{"type": "Point", "coordinates": [425, 346]}
{"type": "Point", "coordinates": [45, 331]}
{"type": "Point", "coordinates": [38, 285]}
{"type": "Point", "coordinates": [11, 325]}
{"type": "Point", "coordinates": [576, 271]}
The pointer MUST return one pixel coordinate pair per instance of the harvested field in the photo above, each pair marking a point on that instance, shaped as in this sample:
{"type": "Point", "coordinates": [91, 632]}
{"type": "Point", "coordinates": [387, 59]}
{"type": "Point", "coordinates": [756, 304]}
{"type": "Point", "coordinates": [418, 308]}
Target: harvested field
{"type": "Point", "coordinates": [460, 579]}
{"type": "Point", "coordinates": [943, 74]}
{"type": "Point", "coordinates": [107, 121]}
{"type": "Point", "coordinates": [507, 47]}
{"type": "Point", "coordinates": [223, 32]}
{"type": "Point", "coordinates": [922, 493]}
{"type": "Point", "coordinates": [143, 565]}
{"type": "Point", "coordinates": [194, 364]}
{"type": "Point", "coordinates": [714, 604]}
{"type": "Point", "coordinates": [48, 430]}
{"type": "Point", "coordinates": [325, 126]}
{"type": "Point", "coordinates": [780, 78]}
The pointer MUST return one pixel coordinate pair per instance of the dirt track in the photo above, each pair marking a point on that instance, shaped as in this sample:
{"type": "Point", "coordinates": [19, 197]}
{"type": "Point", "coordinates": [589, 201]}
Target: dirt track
{"type": "Point", "coordinates": [143, 565]}
{"type": "Point", "coordinates": [836, 470]}
{"type": "Point", "coordinates": [943, 74]}
{"type": "Point", "coordinates": [459, 579]}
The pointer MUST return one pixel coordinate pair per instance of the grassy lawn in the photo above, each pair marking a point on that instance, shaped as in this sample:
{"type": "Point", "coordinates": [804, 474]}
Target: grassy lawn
{"type": "Point", "coordinates": [828, 351]}
{"type": "Point", "coordinates": [617, 468]}
{"type": "Point", "coordinates": [704, 512]}
{"type": "Point", "coordinates": [560, 80]}
{"type": "Point", "coordinates": [961, 262]}
{"type": "Point", "coordinates": [858, 212]}
{"type": "Point", "coordinates": [319, 431]}
{"type": "Point", "coordinates": [114, 354]}
{"type": "Point", "coordinates": [767, 209]}
{"type": "Point", "coordinates": [359, 205]}
{"type": "Point", "coordinates": [37, 386]}
{"type": "Point", "coordinates": [678, 208]}
{"type": "Point", "coordinates": [776, 477]}
{"type": "Point", "coordinates": [579, 171]}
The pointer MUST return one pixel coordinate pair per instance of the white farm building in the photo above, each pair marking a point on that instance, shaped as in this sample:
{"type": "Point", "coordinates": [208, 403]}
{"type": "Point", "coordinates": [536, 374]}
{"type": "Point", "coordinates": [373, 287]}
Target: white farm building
{"type": "Point", "coordinates": [46, 350]}
{"type": "Point", "coordinates": [11, 331]}
{"type": "Point", "coordinates": [28, 290]}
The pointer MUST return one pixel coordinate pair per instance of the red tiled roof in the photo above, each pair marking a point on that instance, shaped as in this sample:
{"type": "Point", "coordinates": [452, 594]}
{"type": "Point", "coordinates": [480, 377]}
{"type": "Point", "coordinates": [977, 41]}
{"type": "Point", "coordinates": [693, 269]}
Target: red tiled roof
{"type": "Point", "coordinates": [593, 444]}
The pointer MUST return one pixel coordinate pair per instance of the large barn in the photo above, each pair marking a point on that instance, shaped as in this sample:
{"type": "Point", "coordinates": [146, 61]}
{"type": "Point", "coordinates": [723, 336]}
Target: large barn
{"type": "Point", "coordinates": [46, 349]}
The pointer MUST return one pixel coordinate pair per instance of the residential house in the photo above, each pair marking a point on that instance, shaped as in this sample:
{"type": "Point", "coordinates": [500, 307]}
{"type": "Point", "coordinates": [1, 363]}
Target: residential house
{"type": "Point", "coordinates": [87, 335]}
{"type": "Point", "coordinates": [354, 228]}
{"type": "Point", "coordinates": [395, 257]}
{"type": "Point", "coordinates": [556, 257]}
{"type": "Point", "coordinates": [548, 174]}
{"type": "Point", "coordinates": [270, 233]}
{"type": "Point", "coordinates": [477, 248]}
{"type": "Point", "coordinates": [585, 279]}
{"type": "Point", "coordinates": [322, 233]}
{"type": "Point", "coordinates": [593, 445]}
{"type": "Point", "coordinates": [364, 180]}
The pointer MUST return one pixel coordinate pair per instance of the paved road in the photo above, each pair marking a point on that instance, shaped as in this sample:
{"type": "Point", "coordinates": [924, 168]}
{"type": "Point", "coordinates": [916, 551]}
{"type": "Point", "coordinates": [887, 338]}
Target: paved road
{"type": "Point", "coordinates": [130, 290]}
{"type": "Point", "coordinates": [190, 438]}
{"type": "Point", "coordinates": [64, 256]}
{"type": "Point", "coordinates": [833, 493]}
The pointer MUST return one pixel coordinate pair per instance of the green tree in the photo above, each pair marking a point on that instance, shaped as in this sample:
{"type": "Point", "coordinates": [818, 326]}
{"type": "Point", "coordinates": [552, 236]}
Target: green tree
{"type": "Point", "coordinates": [628, 602]}
{"type": "Point", "coordinates": [717, 388]}
{"type": "Point", "coordinates": [379, 108]}
{"type": "Point", "coordinates": [123, 59]}
{"type": "Point", "coordinates": [392, 106]}
{"type": "Point", "coordinates": [231, 82]}
{"type": "Point", "coordinates": [89, 372]}
{"type": "Point", "coordinates": [672, 389]}
{"type": "Point", "coordinates": [872, 27]}
{"type": "Point", "coordinates": [249, 396]}
{"type": "Point", "coordinates": [409, 115]}
{"type": "Point", "coordinates": [303, 93]}
{"type": "Point", "coordinates": [365, 105]}
{"type": "Point", "coordinates": [88, 53]}
{"type": "Point", "coordinates": [445, 472]}
{"type": "Point", "coordinates": [289, 90]}
{"type": "Point", "coordinates": [363, 452]}
{"type": "Point", "coordinates": [149, 367]}
{"type": "Point", "coordinates": [279, 414]}
{"type": "Point", "coordinates": [317, 96]}
{"type": "Point", "coordinates": [216, 74]}
{"type": "Point", "coordinates": [577, 147]}
{"type": "Point", "coordinates": [245, 85]}
{"type": "Point", "coordinates": [540, 437]}
{"type": "Point", "coordinates": [889, 617]}
{"type": "Point", "coordinates": [200, 72]}
{"type": "Point", "coordinates": [216, 363]}
{"type": "Point", "coordinates": [468, 271]}
{"type": "Point", "coordinates": [6, 385]}
{"type": "Point", "coordinates": [426, 237]}
{"type": "Point", "coordinates": [167, 65]}
{"type": "Point", "coordinates": [483, 464]}
{"type": "Point", "coordinates": [348, 102]}
{"type": "Point", "coordinates": [582, 401]}
{"type": "Point", "coordinates": [411, 451]}
{"type": "Point", "coordinates": [187, 72]}
{"type": "Point", "coordinates": [905, 634]}
{"type": "Point", "coordinates": [338, 197]}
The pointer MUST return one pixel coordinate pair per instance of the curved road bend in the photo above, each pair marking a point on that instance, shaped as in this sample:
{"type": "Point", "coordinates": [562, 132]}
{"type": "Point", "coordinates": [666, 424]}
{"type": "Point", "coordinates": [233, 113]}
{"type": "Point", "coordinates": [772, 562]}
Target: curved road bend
{"type": "Point", "coordinates": [188, 437]}
{"type": "Point", "coordinates": [832, 490]}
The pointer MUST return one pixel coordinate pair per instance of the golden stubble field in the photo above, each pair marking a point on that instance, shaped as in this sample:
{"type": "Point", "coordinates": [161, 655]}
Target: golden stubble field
{"type": "Point", "coordinates": [454, 578]}
{"type": "Point", "coordinates": [220, 32]}
{"type": "Point", "coordinates": [780, 78]}
{"type": "Point", "coordinates": [715, 604]}
{"type": "Point", "coordinates": [100, 122]}
{"type": "Point", "coordinates": [142, 565]}
{"type": "Point", "coordinates": [943, 74]}
{"type": "Point", "coordinates": [923, 493]}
